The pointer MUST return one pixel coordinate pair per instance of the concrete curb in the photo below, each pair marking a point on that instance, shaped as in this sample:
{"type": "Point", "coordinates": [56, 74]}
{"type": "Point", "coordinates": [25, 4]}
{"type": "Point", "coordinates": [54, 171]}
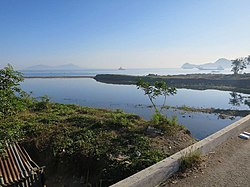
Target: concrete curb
{"type": "Point", "coordinates": [162, 170]}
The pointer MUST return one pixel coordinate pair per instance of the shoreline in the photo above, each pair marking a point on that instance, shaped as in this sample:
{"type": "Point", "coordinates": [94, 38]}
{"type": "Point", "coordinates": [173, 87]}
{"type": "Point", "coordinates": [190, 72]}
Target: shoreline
{"type": "Point", "coordinates": [57, 77]}
{"type": "Point", "coordinates": [178, 84]}
{"type": "Point", "coordinates": [224, 82]}
{"type": "Point", "coordinates": [223, 113]}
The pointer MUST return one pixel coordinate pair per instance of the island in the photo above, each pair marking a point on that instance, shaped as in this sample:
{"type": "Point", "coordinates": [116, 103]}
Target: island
{"type": "Point", "coordinates": [220, 64]}
{"type": "Point", "coordinates": [121, 68]}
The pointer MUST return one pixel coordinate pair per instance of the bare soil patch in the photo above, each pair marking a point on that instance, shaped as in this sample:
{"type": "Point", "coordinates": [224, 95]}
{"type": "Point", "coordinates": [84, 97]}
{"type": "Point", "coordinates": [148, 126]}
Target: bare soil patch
{"type": "Point", "coordinates": [227, 165]}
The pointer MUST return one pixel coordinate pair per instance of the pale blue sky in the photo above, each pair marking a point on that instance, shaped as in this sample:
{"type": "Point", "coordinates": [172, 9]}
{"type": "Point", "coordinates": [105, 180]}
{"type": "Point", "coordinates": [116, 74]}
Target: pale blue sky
{"type": "Point", "coordinates": [127, 33]}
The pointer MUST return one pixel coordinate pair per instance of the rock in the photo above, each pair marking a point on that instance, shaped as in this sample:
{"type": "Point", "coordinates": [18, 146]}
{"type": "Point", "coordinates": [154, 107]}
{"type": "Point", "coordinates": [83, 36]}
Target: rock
{"type": "Point", "coordinates": [232, 117]}
{"type": "Point", "coordinates": [174, 182]}
{"type": "Point", "coordinates": [222, 116]}
{"type": "Point", "coordinates": [153, 131]}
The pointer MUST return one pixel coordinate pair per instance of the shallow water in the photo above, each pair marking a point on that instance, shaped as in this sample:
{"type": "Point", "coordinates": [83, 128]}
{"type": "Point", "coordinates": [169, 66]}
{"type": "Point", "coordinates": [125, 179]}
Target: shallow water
{"type": "Point", "coordinates": [88, 92]}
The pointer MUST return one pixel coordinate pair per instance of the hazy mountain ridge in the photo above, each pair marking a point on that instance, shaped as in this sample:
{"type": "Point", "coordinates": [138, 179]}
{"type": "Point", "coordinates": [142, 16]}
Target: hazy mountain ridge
{"type": "Point", "coordinates": [60, 67]}
{"type": "Point", "coordinates": [220, 64]}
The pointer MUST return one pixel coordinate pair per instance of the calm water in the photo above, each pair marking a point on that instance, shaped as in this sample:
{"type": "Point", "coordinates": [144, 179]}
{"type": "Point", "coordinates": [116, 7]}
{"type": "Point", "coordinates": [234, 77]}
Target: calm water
{"type": "Point", "coordinates": [93, 72]}
{"type": "Point", "coordinates": [88, 92]}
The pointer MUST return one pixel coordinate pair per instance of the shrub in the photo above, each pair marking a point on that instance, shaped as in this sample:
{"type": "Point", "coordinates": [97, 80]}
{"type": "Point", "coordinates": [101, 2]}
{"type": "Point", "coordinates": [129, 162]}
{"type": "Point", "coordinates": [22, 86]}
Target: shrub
{"type": "Point", "coordinates": [9, 91]}
{"type": "Point", "coordinates": [43, 104]}
{"type": "Point", "coordinates": [190, 160]}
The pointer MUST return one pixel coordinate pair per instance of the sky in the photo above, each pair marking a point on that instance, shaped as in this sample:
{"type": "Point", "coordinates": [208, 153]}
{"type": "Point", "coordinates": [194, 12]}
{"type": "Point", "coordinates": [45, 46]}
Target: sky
{"type": "Point", "coordinates": [126, 33]}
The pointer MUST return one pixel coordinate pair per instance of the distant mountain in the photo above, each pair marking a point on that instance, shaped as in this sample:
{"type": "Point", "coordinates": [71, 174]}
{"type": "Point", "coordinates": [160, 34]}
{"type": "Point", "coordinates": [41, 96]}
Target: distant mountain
{"type": "Point", "coordinates": [61, 67]}
{"type": "Point", "coordinates": [220, 64]}
{"type": "Point", "coordinates": [40, 67]}
{"type": "Point", "coordinates": [68, 66]}
{"type": "Point", "coordinates": [189, 66]}
{"type": "Point", "coordinates": [223, 62]}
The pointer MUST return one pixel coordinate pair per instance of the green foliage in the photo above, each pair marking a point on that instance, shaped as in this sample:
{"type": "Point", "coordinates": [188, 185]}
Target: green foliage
{"type": "Point", "coordinates": [102, 136]}
{"type": "Point", "coordinates": [44, 103]}
{"type": "Point", "coordinates": [9, 89]}
{"type": "Point", "coordinates": [10, 130]}
{"type": "Point", "coordinates": [120, 120]}
{"type": "Point", "coordinates": [111, 143]}
{"type": "Point", "coordinates": [12, 100]}
{"type": "Point", "coordinates": [240, 64]}
{"type": "Point", "coordinates": [190, 160]}
{"type": "Point", "coordinates": [163, 123]}
{"type": "Point", "coordinates": [158, 119]}
{"type": "Point", "coordinates": [174, 120]}
{"type": "Point", "coordinates": [186, 108]}
{"type": "Point", "coordinates": [130, 157]}
{"type": "Point", "coordinates": [153, 91]}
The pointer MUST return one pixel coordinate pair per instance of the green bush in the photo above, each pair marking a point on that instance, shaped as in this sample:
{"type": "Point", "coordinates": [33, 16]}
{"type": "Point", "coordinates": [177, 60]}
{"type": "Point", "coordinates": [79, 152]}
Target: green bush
{"type": "Point", "coordinates": [10, 91]}
{"type": "Point", "coordinates": [43, 104]}
{"type": "Point", "coordinates": [163, 123]}
{"type": "Point", "coordinates": [190, 160]}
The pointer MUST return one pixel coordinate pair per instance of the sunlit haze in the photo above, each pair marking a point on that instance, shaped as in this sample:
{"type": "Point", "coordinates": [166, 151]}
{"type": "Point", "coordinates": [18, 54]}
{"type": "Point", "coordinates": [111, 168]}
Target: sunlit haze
{"type": "Point", "coordinates": [122, 33]}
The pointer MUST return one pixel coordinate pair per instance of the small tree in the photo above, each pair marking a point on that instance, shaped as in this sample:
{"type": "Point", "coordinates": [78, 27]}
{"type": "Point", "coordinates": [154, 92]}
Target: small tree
{"type": "Point", "coordinates": [165, 91]}
{"type": "Point", "coordinates": [11, 101]}
{"type": "Point", "coordinates": [153, 91]}
{"type": "Point", "coordinates": [9, 91]}
{"type": "Point", "coordinates": [240, 64]}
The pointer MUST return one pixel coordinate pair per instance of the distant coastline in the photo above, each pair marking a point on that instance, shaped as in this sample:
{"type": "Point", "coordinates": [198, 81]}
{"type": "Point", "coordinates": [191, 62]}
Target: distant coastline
{"type": "Point", "coordinates": [225, 82]}
{"type": "Point", "coordinates": [57, 77]}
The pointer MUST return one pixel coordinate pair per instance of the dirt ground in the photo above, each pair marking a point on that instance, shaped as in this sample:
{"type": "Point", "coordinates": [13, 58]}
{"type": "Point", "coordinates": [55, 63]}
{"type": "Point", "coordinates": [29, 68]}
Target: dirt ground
{"type": "Point", "coordinates": [228, 165]}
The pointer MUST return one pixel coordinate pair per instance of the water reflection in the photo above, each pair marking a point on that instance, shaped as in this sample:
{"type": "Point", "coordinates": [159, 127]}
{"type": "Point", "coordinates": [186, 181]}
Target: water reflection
{"type": "Point", "coordinates": [88, 92]}
{"type": "Point", "coordinates": [238, 99]}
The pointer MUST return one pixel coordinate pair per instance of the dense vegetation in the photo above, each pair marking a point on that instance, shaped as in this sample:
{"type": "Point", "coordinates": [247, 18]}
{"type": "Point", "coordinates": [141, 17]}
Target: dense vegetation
{"type": "Point", "coordinates": [94, 146]}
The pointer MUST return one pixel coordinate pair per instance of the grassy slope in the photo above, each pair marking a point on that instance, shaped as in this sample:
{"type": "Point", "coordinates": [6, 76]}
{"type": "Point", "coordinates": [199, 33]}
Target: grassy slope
{"type": "Point", "coordinates": [93, 144]}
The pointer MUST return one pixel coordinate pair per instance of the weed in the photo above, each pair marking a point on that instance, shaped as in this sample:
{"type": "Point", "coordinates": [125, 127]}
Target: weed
{"type": "Point", "coordinates": [190, 160]}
